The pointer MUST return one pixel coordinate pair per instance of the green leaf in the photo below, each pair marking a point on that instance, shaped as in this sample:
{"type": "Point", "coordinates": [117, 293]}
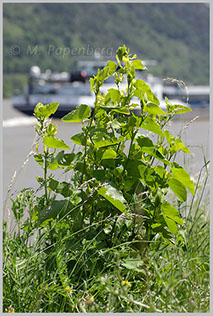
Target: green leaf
{"type": "Point", "coordinates": [150, 96]}
{"type": "Point", "coordinates": [92, 84]}
{"type": "Point", "coordinates": [114, 196]}
{"type": "Point", "coordinates": [132, 168]}
{"type": "Point", "coordinates": [80, 166]}
{"type": "Point", "coordinates": [144, 141]}
{"type": "Point", "coordinates": [182, 176]}
{"type": "Point", "coordinates": [81, 113]}
{"type": "Point", "coordinates": [148, 176]}
{"type": "Point", "coordinates": [79, 139]}
{"type": "Point", "coordinates": [53, 142]}
{"type": "Point", "coordinates": [134, 264]}
{"type": "Point", "coordinates": [132, 121]}
{"type": "Point", "coordinates": [179, 145]}
{"type": "Point", "coordinates": [56, 208]}
{"type": "Point", "coordinates": [105, 143]}
{"type": "Point", "coordinates": [121, 110]}
{"type": "Point", "coordinates": [178, 188]}
{"type": "Point", "coordinates": [171, 212]}
{"type": "Point", "coordinates": [64, 159]}
{"type": "Point", "coordinates": [139, 83]}
{"type": "Point", "coordinates": [51, 130]}
{"type": "Point", "coordinates": [160, 170]}
{"type": "Point", "coordinates": [108, 163]}
{"type": "Point", "coordinates": [60, 187]}
{"type": "Point", "coordinates": [137, 64]}
{"type": "Point", "coordinates": [116, 124]}
{"type": "Point", "coordinates": [156, 225]}
{"type": "Point", "coordinates": [171, 225]}
{"type": "Point", "coordinates": [45, 110]}
{"type": "Point", "coordinates": [152, 151]}
{"type": "Point", "coordinates": [112, 66]}
{"type": "Point", "coordinates": [108, 103]}
{"type": "Point", "coordinates": [153, 108]}
{"type": "Point", "coordinates": [171, 216]}
{"type": "Point", "coordinates": [150, 125]}
{"type": "Point", "coordinates": [99, 174]}
{"type": "Point", "coordinates": [104, 73]}
{"type": "Point", "coordinates": [139, 93]}
{"type": "Point", "coordinates": [109, 154]}
{"type": "Point", "coordinates": [129, 182]}
{"type": "Point", "coordinates": [121, 52]}
{"type": "Point", "coordinates": [179, 109]}
{"type": "Point", "coordinates": [39, 159]}
{"type": "Point", "coordinates": [176, 108]}
{"type": "Point", "coordinates": [144, 91]}
{"type": "Point", "coordinates": [114, 94]}
{"type": "Point", "coordinates": [61, 160]}
{"type": "Point", "coordinates": [133, 105]}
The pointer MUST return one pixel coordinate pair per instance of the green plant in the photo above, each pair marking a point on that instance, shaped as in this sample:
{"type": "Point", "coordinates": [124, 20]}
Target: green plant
{"type": "Point", "coordinates": [120, 170]}
{"type": "Point", "coordinates": [98, 234]}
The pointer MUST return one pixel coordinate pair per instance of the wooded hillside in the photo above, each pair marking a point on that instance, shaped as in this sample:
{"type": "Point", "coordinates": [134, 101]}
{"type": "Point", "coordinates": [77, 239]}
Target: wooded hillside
{"type": "Point", "coordinates": [176, 35]}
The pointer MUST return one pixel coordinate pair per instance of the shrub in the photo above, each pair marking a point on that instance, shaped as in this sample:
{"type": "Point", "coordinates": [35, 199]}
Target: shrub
{"type": "Point", "coordinates": [96, 231]}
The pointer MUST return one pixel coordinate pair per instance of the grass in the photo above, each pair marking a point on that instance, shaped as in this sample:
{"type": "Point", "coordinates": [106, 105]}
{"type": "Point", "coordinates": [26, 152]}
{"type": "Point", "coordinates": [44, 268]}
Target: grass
{"type": "Point", "coordinates": [79, 274]}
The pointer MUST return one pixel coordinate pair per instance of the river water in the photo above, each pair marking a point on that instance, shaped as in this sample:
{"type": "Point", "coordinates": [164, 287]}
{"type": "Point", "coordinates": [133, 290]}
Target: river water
{"type": "Point", "coordinates": [18, 136]}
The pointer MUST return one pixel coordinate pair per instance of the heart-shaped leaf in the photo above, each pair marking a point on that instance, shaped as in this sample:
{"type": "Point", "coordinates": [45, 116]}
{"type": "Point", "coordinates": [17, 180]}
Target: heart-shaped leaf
{"type": "Point", "coordinates": [56, 143]}
{"type": "Point", "coordinates": [81, 113]}
{"type": "Point", "coordinates": [114, 196]}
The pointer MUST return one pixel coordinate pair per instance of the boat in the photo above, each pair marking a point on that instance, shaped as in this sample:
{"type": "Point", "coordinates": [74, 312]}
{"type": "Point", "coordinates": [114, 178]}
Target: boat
{"type": "Point", "coordinates": [49, 87]}
{"type": "Point", "coordinates": [196, 95]}
{"type": "Point", "coordinates": [72, 89]}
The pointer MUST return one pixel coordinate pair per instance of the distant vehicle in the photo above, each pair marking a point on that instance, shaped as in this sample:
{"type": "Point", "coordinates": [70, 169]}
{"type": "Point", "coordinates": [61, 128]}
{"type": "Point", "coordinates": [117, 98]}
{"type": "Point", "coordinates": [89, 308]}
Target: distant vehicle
{"type": "Point", "coordinates": [73, 89]}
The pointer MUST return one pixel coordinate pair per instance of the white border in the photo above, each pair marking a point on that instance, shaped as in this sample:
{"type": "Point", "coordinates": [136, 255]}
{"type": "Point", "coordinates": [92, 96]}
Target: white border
{"type": "Point", "coordinates": [211, 135]}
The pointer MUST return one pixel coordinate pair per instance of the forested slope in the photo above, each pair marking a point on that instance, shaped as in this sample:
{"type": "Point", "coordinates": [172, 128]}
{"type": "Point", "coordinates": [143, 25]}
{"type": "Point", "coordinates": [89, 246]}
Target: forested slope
{"type": "Point", "coordinates": [176, 35]}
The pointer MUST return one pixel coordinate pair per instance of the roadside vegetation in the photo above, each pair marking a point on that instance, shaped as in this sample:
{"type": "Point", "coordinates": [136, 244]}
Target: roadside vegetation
{"type": "Point", "coordinates": [124, 228]}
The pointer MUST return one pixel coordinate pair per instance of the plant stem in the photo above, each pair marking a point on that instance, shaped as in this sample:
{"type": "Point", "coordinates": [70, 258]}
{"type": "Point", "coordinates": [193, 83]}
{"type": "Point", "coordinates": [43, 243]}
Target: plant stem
{"type": "Point", "coordinates": [86, 135]}
{"type": "Point", "coordinates": [130, 147]}
{"type": "Point", "coordinates": [45, 175]}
